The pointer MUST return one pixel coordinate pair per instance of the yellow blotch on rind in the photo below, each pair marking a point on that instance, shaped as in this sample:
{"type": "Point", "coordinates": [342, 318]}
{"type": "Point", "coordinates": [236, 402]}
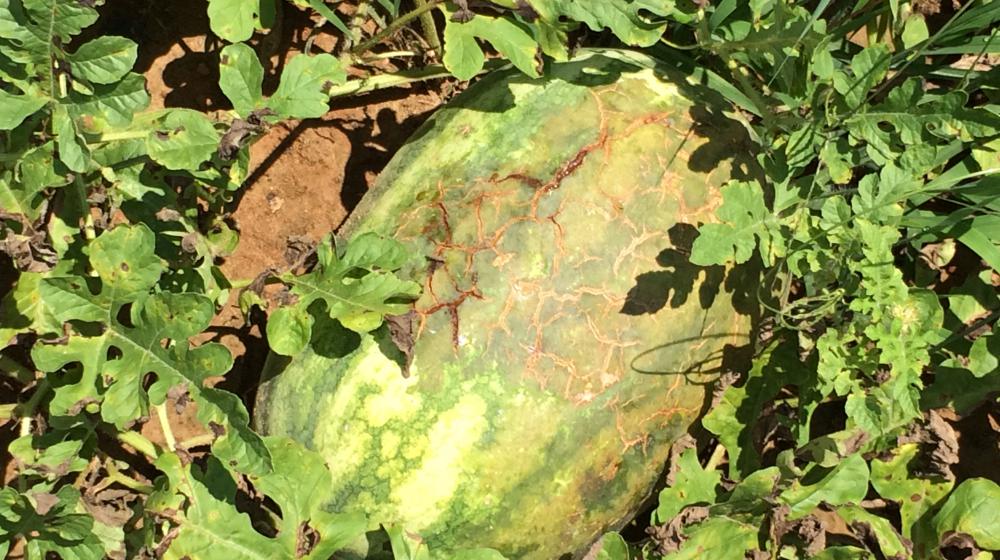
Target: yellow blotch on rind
{"type": "Point", "coordinates": [348, 436]}
{"type": "Point", "coordinates": [427, 493]}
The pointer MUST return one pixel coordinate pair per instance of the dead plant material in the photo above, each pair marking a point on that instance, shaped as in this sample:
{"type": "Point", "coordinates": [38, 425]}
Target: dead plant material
{"type": "Point", "coordinates": [958, 546]}
{"type": "Point", "coordinates": [682, 444]}
{"type": "Point", "coordinates": [306, 539]}
{"type": "Point", "coordinates": [401, 333]}
{"type": "Point", "coordinates": [240, 132]}
{"type": "Point", "coordinates": [939, 445]}
{"type": "Point", "coordinates": [29, 248]}
{"type": "Point", "coordinates": [927, 7]}
{"type": "Point", "coordinates": [669, 537]}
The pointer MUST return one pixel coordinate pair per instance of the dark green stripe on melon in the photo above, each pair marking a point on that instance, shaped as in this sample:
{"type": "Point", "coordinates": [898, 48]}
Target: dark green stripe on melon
{"type": "Point", "coordinates": [563, 341]}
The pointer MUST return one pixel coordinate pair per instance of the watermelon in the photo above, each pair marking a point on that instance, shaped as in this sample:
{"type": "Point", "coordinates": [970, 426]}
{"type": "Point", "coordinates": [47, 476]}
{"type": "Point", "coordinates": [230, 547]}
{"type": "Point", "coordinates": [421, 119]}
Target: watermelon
{"type": "Point", "coordinates": [562, 341]}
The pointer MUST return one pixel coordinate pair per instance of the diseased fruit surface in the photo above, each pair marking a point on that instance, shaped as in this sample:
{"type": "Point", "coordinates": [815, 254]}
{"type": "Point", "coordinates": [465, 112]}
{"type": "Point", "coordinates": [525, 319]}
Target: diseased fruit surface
{"type": "Point", "coordinates": [562, 342]}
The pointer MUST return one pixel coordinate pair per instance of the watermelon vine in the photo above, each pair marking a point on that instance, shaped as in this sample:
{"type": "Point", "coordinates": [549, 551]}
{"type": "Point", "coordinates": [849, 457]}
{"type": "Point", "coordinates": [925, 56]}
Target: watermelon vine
{"type": "Point", "coordinates": [875, 219]}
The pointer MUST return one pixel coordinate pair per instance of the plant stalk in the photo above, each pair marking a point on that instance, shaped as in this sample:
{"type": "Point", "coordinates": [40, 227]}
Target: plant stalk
{"type": "Point", "coordinates": [717, 454]}
{"type": "Point", "coordinates": [393, 27]}
{"type": "Point", "coordinates": [117, 476]}
{"type": "Point", "coordinates": [196, 441]}
{"type": "Point", "coordinates": [429, 27]}
{"type": "Point", "coordinates": [383, 81]}
{"type": "Point", "coordinates": [7, 411]}
{"type": "Point", "coordinates": [27, 410]}
{"type": "Point", "coordinates": [14, 369]}
{"type": "Point", "coordinates": [168, 433]}
{"type": "Point", "coordinates": [138, 442]}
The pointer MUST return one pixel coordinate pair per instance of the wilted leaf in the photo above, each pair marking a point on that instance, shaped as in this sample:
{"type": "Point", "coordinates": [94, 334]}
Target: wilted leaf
{"type": "Point", "coordinates": [719, 538]}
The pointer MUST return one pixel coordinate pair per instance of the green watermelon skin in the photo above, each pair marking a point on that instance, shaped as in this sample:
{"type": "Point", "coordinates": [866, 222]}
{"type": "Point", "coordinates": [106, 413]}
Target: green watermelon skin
{"type": "Point", "coordinates": [562, 342]}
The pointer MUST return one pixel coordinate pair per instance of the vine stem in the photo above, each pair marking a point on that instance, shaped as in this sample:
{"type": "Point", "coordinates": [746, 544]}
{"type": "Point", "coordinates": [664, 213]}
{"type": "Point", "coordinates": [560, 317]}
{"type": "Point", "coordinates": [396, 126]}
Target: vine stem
{"type": "Point", "coordinates": [14, 369]}
{"type": "Point", "coordinates": [116, 475]}
{"type": "Point", "coordinates": [393, 27]}
{"type": "Point", "coordinates": [7, 411]}
{"type": "Point", "coordinates": [717, 454]}
{"type": "Point", "coordinates": [27, 410]}
{"type": "Point", "coordinates": [89, 228]}
{"type": "Point", "coordinates": [138, 442]}
{"type": "Point", "coordinates": [389, 54]}
{"type": "Point", "coordinates": [358, 19]}
{"type": "Point", "coordinates": [383, 81]}
{"type": "Point", "coordinates": [196, 441]}
{"type": "Point", "coordinates": [120, 135]}
{"type": "Point", "coordinates": [428, 26]}
{"type": "Point", "coordinates": [168, 434]}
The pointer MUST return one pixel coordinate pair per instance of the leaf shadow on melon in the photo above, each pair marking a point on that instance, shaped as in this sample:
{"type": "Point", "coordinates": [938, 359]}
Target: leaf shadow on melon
{"type": "Point", "coordinates": [674, 285]}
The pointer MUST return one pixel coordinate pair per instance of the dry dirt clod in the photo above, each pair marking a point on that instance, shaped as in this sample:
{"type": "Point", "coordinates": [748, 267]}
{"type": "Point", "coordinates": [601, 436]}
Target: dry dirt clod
{"type": "Point", "coordinates": [812, 533]}
{"type": "Point", "coordinates": [168, 215]}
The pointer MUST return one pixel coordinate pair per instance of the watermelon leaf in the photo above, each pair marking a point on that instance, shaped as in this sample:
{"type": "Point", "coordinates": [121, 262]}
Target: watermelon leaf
{"type": "Point", "coordinates": [463, 56]}
{"type": "Point", "coordinates": [693, 484]}
{"type": "Point", "coordinates": [847, 483]}
{"type": "Point", "coordinates": [731, 419]}
{"type": "Point", "coordinates": [744, 216]}
{"type": "Point", "coordinates": [407, 545]}
{"type": "Point", "coordinates": [104, 60]}
{"type": "Point", "coordinates": [297, 485]}
{"type": "Point", "coordinates": [182, 139]}
{"type": "Point", "coordinates": [629, 21]}
{"type": "Point", "coordinates": [972, 510]}
{"type": "Point", "coordinates": [50, 523]}
{"type": "Point", "coordinates": [892, 479]}
{"type": "Point", "coordinates": [115, 360]}
{"type": "Point", "coordinates": [305, 80]}
{"type": "Point", "coordinates": [359, 287]}
{"type": "Point", "coordinates": [613, 547]}
{"type": "Point", "coordinates": [233, 20]}
{"type": "Point", "coordinates": [15, 108]}
{"type": "Point", "coordinates": [212, 528]}
{"type": "Point", "coordinates": [241, 77]}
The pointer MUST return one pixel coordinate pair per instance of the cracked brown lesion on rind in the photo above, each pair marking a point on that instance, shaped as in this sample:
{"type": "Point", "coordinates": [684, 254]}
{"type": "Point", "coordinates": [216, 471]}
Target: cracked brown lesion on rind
{"type": "Point", "coordinates": [520, 197]}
